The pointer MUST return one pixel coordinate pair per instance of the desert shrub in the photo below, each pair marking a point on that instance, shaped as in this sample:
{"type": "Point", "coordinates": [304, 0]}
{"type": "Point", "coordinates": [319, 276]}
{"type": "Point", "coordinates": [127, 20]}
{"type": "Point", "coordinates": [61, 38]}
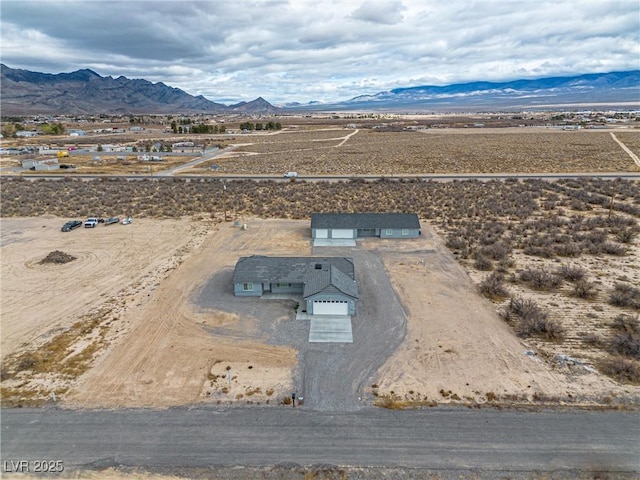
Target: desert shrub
{"type": "Point", "coordinates": [567, 250]}
{"type": "Point", "coordinates": [571, 273]}
{"type": "Point", "coordinates": [540, 279]}
{"type": "Point", "coordinates": [614, 249]}
{"type": "Point", "coordinates": [497, 251]}
{"type": "Point", "coordinates": [546, 251]}
{"type": "Point", "coordinates": [622, 369]}
{"type": "Point", "coordinates": [505, 264]}
{"type": "Point", "coordinates": [627, 344]}
{"type": "Point", "coordinates": [584, 289]}
{"type": "Point", "coordinates": [624, 295]}
{"type": "Point", "coordinates": [534, 320]}
{"type": "Point", "coordinates": [626, 341]}
{"type": "Point", "coordinates": [492, 286]}
{"type": "Point", "coordinates": [455, 242]}
{"type": "Point", "coordinates": [627, 235]}
{"type": "Point", "coordinates": [626, 323]}
{"type": "Point", "coordinates": [483, 263]}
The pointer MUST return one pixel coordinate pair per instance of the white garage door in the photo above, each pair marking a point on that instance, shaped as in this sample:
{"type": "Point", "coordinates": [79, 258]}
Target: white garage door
{"type": "Point", "coordinates": [322, 233]}
{"type": "Point", "coordinates": [330, 308]}
{"type": "Point", "coordinates": [338, 233]}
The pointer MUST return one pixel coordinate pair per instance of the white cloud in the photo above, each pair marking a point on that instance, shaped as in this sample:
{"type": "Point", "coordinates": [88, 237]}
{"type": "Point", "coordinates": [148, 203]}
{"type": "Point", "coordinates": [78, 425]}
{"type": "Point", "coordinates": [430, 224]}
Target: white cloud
{"type": "Point", "coordinates": [302, 50]}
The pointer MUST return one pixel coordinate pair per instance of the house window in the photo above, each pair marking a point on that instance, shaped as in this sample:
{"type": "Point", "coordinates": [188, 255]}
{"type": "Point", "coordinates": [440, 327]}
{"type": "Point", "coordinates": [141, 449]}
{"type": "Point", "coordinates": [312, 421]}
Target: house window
{"type": "Point", "coordinates": [282, 285]}
{"type": "Point", "coordinates": [389, 231]}
{"type": "Point", "coordinates": [247, 287]}
{"type": "Point", "coordinates": [405, 231]}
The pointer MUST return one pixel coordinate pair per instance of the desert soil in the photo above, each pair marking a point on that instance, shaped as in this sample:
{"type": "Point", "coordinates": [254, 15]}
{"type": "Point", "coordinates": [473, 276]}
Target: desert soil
{"type": "Point", "coordinates": [458, 349]}
{"type": "Point", "coordinates": [161, 348]}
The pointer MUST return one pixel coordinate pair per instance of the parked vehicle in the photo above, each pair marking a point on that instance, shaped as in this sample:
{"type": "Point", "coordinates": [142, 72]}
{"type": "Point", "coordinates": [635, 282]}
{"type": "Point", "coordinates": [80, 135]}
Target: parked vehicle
{"type": "Point", "coordinates": [90, 222]}
{"type": "Point", "coordinates": [111, 220]}
{"type": "Point", "coordinates": [71, 225]}
{"type": "Point", "coordinates": [291, 175]}
{"type": "Point", "coordinates": [127, 221]}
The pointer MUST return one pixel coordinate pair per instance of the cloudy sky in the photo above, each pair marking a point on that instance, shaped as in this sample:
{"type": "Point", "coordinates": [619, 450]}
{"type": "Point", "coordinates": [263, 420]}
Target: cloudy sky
{"type": "Point", "coordinates": [322, 50]}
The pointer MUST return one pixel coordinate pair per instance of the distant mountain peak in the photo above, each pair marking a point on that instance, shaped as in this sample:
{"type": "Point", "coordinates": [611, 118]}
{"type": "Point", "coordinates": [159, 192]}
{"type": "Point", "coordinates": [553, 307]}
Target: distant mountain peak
{"type": "Point", "coordinates": [86, 92]}
{"type": "Point", "coordinates": [259, 105]}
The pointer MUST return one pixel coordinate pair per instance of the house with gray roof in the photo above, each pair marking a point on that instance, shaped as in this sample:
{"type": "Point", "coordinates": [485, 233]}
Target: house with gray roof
{"type": "Point", "coordinates": [327, 284]}
{"type": "Point", "coordinates": [363, 225]}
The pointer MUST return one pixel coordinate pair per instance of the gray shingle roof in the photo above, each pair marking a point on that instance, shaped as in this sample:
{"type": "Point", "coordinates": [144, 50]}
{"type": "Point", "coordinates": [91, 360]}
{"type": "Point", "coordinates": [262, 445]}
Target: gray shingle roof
{"type": "Point", "coordinates": [365, 220]}
{"type": "Point", "coordinates": [317, 273]}
{"type": "Point", "coordinates": [319, 280]}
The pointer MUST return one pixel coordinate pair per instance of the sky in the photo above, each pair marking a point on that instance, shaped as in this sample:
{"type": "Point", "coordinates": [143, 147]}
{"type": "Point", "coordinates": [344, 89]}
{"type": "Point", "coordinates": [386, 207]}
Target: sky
{"type": "Point", "coordinates": [322, 50]}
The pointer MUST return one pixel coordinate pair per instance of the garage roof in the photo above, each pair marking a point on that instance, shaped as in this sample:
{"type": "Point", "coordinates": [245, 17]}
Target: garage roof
{"type": "Point", "coordinates": [330, 280]}
{"type": "Point", "coordinates": [365, 220]}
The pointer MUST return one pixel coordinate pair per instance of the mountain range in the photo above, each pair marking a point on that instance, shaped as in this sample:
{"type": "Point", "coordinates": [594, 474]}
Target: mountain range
{"type": "Point", "coordinates": [86, 92]}
{"type": "Point", "coordinates": [612, 89]}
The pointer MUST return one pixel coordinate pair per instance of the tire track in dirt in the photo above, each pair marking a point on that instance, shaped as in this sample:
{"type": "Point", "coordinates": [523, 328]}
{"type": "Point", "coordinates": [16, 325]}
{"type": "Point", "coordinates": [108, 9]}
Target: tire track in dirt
{"type": "Point", "coordinates": [166, 357]}
{"type": "Point", "coordinates": [633, 156]}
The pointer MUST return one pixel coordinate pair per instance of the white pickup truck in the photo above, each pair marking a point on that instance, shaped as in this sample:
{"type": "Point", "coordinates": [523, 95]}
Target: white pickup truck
{"type": "Point", "coordinates": [291, 175]}
{"type": "Point", "coordinates": [90, 222]}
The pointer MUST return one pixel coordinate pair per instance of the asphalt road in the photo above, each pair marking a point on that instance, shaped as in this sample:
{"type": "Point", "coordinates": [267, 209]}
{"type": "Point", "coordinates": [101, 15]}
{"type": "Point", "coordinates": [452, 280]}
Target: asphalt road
{"type": "Point", "coordinates": [439, 438]}
{"type": "Point", "coordinates": [330, 178]}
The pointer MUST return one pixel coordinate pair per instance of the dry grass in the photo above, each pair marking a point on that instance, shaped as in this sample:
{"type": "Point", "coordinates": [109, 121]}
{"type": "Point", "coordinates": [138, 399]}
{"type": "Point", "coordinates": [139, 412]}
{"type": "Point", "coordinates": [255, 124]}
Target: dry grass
{"type": "Point", "coordinates": [59, 360]}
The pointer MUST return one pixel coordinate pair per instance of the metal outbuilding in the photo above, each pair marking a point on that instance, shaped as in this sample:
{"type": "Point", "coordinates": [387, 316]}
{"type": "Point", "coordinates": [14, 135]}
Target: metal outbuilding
{"type": "Point", "coordinates": [364, 225]}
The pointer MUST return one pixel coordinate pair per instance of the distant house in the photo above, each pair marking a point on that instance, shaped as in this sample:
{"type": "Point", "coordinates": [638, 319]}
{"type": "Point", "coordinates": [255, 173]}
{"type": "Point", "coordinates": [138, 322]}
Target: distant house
{"type": "Point", "coordinates": [38, 165]}
{"type": "Point", "coordinates": [26, 133]}
{"type": "Point", "coordinates": [363, 225]}
{"type": "Point", "coordinates": [327, 284]}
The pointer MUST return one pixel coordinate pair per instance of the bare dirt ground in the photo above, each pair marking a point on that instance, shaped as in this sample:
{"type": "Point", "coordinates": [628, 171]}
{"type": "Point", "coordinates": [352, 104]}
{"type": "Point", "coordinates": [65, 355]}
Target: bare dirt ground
{"type": "Point", "coordinates": [169, 357]}
{"type": "Point", "coordinates": [39, 300]}
{"type": "Point", "coordinates": [127, 312]}
{"type": "Point", "coordinates": [458, 349]}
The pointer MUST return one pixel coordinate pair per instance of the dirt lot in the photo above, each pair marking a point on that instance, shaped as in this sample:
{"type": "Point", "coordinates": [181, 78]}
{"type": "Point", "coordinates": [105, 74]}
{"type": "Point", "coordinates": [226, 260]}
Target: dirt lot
{"type": "Point", "coordinates": [458, 349]}
{"type": "Point", "coordinates": [141, 335]}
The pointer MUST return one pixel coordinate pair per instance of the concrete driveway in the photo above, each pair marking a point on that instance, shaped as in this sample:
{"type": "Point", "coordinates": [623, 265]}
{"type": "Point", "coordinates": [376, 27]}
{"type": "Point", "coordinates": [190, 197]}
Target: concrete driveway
{"type": "Point", "coordinates": [330, 329]}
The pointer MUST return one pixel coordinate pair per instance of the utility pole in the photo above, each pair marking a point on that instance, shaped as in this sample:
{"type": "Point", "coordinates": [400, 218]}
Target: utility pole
{"type": "Point", "coordinates": [613, 194]}
{"type": "Point", "coordinates": [224, 199]}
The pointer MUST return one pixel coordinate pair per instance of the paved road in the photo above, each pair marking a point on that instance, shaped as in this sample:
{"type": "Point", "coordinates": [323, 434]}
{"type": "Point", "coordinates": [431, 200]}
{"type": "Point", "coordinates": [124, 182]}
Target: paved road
{"type": "Point", "coordinates": [196, 161]}
{"type": "Point", "coordinates": [436, 438]}
{"type": "Point", "coordinates": [331, 178]}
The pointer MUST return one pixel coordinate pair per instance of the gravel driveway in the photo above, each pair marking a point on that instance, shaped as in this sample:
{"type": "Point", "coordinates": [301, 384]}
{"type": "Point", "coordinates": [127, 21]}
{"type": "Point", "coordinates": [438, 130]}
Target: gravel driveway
{"type": "Point", "coordinates": [330, 376]}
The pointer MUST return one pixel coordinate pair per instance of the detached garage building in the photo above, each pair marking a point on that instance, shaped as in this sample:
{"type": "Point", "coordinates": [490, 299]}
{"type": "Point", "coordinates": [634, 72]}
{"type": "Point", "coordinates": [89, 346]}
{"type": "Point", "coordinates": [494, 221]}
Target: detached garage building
{"type": "Point", "coordinates": [363, 225]}
{"type": "Point", "coordinates": [327, 284]}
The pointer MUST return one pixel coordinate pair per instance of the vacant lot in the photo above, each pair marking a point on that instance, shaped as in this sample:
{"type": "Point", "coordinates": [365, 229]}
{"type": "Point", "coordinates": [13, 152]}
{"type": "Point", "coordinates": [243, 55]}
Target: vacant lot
{"type": "Point", "coordinates": [369, 151]}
